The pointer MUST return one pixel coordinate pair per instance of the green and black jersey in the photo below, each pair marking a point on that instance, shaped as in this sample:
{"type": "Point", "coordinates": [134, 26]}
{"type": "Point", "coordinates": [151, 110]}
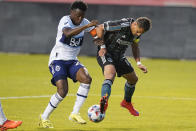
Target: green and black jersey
{"type": "Point", "coordinates": [118, 36]}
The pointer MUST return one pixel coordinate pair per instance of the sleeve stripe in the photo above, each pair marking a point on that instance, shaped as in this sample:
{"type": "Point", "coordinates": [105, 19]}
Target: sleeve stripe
{"type": "Point", "coordinates": [109, 26]}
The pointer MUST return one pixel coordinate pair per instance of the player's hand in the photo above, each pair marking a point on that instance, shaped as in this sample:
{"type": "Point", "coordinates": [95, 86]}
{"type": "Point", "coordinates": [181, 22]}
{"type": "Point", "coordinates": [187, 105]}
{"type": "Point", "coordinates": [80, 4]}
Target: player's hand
{"type": "Point", "coordinates": [98, 41]}
{"type": "Point", "coordinates": [143, 68]}
{"type": "Point", "coordinates": [93, 23]}
{"type": "Point", "coordinates": [102, 51]}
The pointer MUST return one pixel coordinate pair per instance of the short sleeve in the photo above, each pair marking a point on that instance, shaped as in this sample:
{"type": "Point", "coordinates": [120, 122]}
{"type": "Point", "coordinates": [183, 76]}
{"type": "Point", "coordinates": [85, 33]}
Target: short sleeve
{"type": "Point", "coordinates": [112, 25]}
{"type": "Point", "coordinates": [64, 23]}
{"type": "Point", "coordinates": [117, 24]}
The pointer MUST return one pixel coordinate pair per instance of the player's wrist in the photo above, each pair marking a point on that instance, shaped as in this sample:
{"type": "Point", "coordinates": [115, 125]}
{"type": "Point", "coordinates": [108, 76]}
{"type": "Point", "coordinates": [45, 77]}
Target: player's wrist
{"type": "Point", "coordinates": [103, 46]}
{"type": "Point", "coordinates": [139, 63]}
{"type": "Point", "coordinates": [88, 25]}
{"type": "Point", "coordinates": [96, 37]}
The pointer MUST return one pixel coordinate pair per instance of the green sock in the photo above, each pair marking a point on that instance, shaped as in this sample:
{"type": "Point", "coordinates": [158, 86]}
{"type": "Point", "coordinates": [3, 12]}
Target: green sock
{"type": "Point", "coordinates": [129, 90]}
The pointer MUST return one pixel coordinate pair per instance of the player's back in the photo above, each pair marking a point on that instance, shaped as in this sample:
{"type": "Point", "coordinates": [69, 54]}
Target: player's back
{"type": "Point", "coordinates": [118, 35]}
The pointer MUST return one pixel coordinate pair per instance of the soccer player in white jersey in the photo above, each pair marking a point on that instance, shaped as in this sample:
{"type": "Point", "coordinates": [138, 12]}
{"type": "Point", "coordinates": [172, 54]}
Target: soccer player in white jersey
{"type": "Point", "coordinates": [64, 64]}
{"type": "Point", "coordinates": [5, 123]}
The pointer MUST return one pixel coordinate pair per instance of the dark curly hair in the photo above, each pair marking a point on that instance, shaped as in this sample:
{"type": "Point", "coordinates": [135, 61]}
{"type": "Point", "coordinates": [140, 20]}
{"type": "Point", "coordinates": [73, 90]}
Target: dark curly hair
{"type": "Point", "coordinates": [144, 22]}
{"type": "Point", "coordinates": [78, 4]}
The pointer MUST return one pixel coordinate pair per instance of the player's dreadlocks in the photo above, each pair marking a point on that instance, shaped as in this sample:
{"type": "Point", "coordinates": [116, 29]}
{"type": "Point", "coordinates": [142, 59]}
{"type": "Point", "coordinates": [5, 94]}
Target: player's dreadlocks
{"type": "Point", "coordinates": [145, 23]}
{"type": "Point", "coordinates": [79, 5]}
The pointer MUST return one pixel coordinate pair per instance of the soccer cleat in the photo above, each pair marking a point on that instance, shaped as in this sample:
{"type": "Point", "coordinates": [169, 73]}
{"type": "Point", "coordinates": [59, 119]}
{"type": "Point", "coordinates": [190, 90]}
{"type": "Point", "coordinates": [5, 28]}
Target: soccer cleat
{"type": "Point", "coordinates": [129, 106]}
{"type": "Point", "coordinates": [77, 118]}
{"type": "Point", "coordinates": [45, 123]}
{"type": "Point", "coordinates": [103, 104]}
{"type": "Point", "coordinates": [10, 124]}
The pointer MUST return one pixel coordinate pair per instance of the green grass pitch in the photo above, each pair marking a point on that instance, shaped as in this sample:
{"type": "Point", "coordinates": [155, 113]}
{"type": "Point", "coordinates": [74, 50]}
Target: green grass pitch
{"type": "Point", "coordinates": [165, 97]}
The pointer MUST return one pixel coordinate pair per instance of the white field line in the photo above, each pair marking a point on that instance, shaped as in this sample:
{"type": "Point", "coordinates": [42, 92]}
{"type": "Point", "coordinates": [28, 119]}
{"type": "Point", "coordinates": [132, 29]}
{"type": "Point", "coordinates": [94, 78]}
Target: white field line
{"type": "Point", "coordinates": [148, 97]}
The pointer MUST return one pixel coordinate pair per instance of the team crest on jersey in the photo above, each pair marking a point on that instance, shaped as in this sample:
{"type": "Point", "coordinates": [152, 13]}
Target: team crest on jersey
{"type": "Point", "coordinates": [57, 68]}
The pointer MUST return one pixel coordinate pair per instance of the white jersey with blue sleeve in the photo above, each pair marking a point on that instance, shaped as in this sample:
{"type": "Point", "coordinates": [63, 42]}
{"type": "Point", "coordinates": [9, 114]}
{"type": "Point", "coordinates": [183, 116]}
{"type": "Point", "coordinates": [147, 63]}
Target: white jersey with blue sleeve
{"type": "Point", "coordinates": [68, 48]}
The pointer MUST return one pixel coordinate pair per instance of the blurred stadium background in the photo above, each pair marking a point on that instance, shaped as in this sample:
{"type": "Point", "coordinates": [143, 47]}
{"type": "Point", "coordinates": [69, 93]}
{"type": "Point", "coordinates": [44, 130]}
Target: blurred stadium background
{"type": "Point", "coordinates": [166, 96]}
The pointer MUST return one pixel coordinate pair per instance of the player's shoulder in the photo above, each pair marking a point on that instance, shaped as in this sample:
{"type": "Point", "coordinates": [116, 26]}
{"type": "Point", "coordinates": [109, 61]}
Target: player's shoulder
{"type": "Point", "coordinates": [127, 19]}
{"type": "Point", "coordinates": [65, 21]}
{"type": "Point", "coordinates": [85, 21]}
{"type": "Point", "coordinates": [125, 22]}
{"type": "Point", "coordinates": [65, 18]}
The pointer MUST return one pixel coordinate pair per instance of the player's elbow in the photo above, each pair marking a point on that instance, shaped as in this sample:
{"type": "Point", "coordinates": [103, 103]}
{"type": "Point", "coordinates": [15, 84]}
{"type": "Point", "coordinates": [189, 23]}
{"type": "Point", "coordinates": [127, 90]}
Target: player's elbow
{"type": "Point", "coordinates": [68, 35]}
{"type": "Point", "coordinates": [133, 80]}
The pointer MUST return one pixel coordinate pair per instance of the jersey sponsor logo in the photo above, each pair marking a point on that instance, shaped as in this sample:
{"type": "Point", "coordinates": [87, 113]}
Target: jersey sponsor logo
{"type": "Point", "coordinates": [75, 41]}
{"type": "Point", "coordinates": [123, 42]}
{"type": "Point", "coordinates": [123, 36]}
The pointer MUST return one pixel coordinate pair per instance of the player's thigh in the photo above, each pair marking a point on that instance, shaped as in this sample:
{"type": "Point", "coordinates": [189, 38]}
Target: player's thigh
{"type": "Point", "coordinates": [58, 71]}
{"type": "Point", "coordinates": [108, 67]}
{"type": "Point", "coordinates": [83, 76]}
{"type": "Point", "coordinates": [131, 77]}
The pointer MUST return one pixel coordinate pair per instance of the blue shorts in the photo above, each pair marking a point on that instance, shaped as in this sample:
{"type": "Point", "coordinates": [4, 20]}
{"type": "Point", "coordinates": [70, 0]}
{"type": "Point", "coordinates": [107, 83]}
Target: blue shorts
{"type": "Point", "coordinates": [61, 69]}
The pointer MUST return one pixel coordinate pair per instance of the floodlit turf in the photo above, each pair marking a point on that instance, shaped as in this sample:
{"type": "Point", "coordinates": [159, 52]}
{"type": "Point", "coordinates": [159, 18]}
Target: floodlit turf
{"type": "Point", "coordinates": [165, 97]}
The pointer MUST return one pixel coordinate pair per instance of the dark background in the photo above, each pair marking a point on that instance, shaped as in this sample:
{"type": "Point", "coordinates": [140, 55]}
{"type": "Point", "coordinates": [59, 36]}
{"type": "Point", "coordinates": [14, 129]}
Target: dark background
{"type": "Point", "coordinates": [32, 27]}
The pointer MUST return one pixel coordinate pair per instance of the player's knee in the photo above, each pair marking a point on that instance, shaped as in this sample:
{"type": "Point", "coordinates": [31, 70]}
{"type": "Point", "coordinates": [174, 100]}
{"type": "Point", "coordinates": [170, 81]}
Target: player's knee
{"type": "Point", "coordinates": [110, 76]}
{"type": "Point", "coordinates": [62, 90]}
{"type": "Point", "coordinates": [133, 80]}
{"type": "Point", "coordinates": [136, 79]}
{"type": "Point", "coordinates": [86, 79]}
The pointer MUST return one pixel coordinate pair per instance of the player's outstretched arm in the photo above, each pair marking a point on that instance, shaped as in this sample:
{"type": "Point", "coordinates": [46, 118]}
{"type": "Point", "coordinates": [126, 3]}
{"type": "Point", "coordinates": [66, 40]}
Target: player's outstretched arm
{"type": "Point", "coordinates": [98, 39]}
{"type": "Point", "coordinates": [100, 31]}
{"type": "Point", "coordinates": [68, 32]}
{"type": "Point", "coordinates": [136, 55]}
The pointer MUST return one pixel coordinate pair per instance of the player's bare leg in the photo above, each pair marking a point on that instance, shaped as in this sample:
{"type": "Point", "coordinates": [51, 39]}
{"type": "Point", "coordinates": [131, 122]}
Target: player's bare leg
{"type": "Point", "coordinates": [62, 90]}
{"type": "Point", "coordinates": [109, 75]}
{"type": "Point", "coordinates": [129, 90]}
{"type": "Point", "coordinates": [85, 80]}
